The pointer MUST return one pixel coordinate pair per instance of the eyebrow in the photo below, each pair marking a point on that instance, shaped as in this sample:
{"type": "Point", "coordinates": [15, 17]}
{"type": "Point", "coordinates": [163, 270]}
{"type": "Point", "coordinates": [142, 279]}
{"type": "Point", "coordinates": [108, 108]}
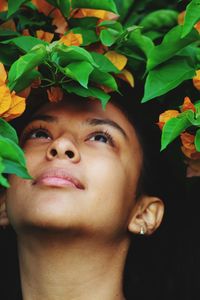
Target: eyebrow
{"type": "Point", "coordinates": [46, 118]}
{"type": "Point", "coordinates": [92, 122]}
{"type": "Point", "coordinates": [96, 122]}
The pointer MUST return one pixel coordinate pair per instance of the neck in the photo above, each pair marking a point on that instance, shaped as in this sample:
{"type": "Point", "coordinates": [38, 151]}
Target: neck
{"type": "Point", "coordinates": [53, 268]}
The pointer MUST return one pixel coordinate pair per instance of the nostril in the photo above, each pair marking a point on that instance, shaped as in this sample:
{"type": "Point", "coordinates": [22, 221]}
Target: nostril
{"type": "Point", "coordinates": [53, 152]}
{"type": "Point", "coordinates": [69, 153]}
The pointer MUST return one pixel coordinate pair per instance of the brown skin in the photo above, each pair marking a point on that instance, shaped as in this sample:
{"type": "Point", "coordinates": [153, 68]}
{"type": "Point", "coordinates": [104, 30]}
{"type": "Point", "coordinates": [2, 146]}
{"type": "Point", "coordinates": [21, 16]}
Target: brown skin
{"type": "Point", "coordinates": [73, 239]}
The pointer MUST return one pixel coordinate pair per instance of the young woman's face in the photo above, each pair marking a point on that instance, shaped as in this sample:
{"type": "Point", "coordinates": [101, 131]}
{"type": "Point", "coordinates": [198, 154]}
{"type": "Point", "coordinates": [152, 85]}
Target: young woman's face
{"type": "Point", "coordinates": [85, 163]}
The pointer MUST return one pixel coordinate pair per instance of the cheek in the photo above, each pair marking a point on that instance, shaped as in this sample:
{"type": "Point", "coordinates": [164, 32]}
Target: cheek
{"type": "Point", "coordinates": [34, 158]}
{"type": "Point", "coordinates": [112, 186]}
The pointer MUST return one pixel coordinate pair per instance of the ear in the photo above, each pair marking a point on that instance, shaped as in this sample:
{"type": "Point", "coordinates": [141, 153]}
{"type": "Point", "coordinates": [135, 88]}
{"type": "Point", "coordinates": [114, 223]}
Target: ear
{"type": "Point", "coordinates": [147, 215]}
{"type": "Point", "coordinates": [3, 212]}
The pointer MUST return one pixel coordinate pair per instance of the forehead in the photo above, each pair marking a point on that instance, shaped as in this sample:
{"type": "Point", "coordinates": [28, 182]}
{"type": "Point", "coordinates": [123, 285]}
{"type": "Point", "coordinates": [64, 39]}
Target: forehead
{"type": "Point", "coordinates": [83, 109]}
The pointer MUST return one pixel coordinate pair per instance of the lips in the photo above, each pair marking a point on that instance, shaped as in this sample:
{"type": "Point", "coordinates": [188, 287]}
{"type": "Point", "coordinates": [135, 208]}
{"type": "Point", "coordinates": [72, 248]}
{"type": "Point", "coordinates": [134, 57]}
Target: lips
{"type": "Point", "coordinates": [58, 177]}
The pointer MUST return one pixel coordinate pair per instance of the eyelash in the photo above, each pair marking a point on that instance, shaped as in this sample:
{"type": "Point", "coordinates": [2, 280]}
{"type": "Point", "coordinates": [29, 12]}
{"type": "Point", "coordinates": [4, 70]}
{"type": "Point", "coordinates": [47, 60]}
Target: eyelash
{"type": "Point", "coordinates": [33, 129]}
{"type": "Point", "coordinates": [105, 134]}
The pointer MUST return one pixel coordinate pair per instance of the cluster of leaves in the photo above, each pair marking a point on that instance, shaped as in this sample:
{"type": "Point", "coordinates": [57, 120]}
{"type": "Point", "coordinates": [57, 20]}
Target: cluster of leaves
{"type": "Point", "coordinates": [150, 44]}
{"type": "Point", "coordinates": [182, 122]}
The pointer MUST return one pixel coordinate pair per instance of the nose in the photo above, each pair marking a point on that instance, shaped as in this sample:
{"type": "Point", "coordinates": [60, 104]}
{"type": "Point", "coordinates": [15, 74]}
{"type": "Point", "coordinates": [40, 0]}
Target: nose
{"type": "Point", "coordinates": [63, 148]}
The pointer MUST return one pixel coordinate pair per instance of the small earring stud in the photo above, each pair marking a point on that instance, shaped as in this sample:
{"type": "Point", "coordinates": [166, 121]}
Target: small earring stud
{"type": "Point", "coordinates": [142, 232]}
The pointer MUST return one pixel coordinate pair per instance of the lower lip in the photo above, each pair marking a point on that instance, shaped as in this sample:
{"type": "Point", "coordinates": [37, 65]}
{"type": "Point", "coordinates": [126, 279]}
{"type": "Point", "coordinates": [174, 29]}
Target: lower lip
{"type": "Point", "coordinates": [56, 182]}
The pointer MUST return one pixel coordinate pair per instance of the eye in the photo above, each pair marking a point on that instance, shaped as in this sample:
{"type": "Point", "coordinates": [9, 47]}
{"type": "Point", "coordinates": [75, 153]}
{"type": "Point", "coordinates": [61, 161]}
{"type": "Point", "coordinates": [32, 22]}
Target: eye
{"type": "Point", "coordinates": [39, 134]}
{"type": "Point", "coordinates": [35, 133]}
{"type": "Point", "coordinates": [102, 137]}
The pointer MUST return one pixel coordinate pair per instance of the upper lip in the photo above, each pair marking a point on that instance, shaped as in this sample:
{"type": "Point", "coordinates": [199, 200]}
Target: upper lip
{"type": "Point", "coordinates": [59, 173]}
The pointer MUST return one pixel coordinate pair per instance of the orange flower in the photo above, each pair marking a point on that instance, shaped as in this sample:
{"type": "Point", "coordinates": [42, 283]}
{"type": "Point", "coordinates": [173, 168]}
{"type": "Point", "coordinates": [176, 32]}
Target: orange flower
{"type": "Point", "coordinates": [181, 18]}
{"type": "Point", "coordinates": [55, 94]}
{"type": "Point", "coordinates": [25, 32]}
{"type": "Point", "coordinates": [193, 168]}
{"type": "Point", "coordinates": [97, 47]}
{"type": "Point", "coordinates": [197, 26]}
{"type": "Point", "coordinates": [43, 6]}
{"type": "Point", "coordinates": [3, 5]}
{"type": "Point", "coordinates": [45, 36]}
{"type": "Point", "coordinates": [97, 13]}
{"type": "Point", "coordinates": [72, 39]}
{"type": "Point", "coordinates": [59, 21]}
{"type": "Point", "coordinates": [36, 83]}
{"type": "Point", "coordinates": [3, 74]}
{"type": "Point", "coordinates": [166, 116]}
{"type": "Point", "coordinates": [118, 60]}
{"type": "Point", "coordinates": [49, 10]}
{"type": "Point", "coordinates": [10, 24]}
{"type": "Point", "coordinates": [188, 147]}
{"type": "Point", "coordinates": [196, 80]}
{"type": "Point", "coordinates": [17, 107]}
{"type": "Point", "coordinates": [11, 105]}
{"type": "Point", "coordinates": [25, 93]}
{"type": "Point", "coordinates": [187, 104]}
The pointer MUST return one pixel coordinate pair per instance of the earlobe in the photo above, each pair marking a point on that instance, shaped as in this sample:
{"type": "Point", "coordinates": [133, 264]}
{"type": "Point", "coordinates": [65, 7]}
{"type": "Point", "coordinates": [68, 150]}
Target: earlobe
{"type": "Point", "coordinates": [146, 216]}
{"type": "Point", "coordinates": [3, 212]}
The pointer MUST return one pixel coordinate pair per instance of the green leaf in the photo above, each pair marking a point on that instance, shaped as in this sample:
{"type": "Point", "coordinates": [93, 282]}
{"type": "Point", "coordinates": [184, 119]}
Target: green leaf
{"type": "Point", "coordinates": [63, 55]}
{"type": "Point", "coordinates": [107, 38]}
{"type": "Point", "coordinates": [141, 41]}
{"type": "Point", "coordinates": [8, 54]}
{"type": "Point", "coordinates": [25, 80]}
{"type": "Point", "coordinates": [79, 71]}
{"type": "Point", "coordinates": [170, 46]}
{"type": "Point", "coordinates": [26, 63]}
{"type": "Point", "coordinates": [104, 79]}
{"type": "Point", "coordinates": [90, 92]}
{"type": "Point", "coordinates": [193, 118]}
{"type": "Point", "coordinates": [166, 77]}
{"type": "Point", "coordinates": [13, 6]}
{"type": "Point", "coordinates": [192, 16]}
{"type": "Point", "coordinates": [89, 36]}
{"type": "Point", "coordinates": [197, 140]}
{"type": "Point", "coordinates": [10, 150]}
{"type": "Point", "coordinates": [6, 130]}
{"type": "Point", "coordinates": [111, 24]}
{"type": "Point", "coordinates": [86, 22]}
{"type": "Point", "coordinates": [108, 5]}
{"type": "Point", "coordinates": [12, 167]}
{"type": "Point", "coordinates": [104, 64]}
{"type": "Point", "coordinates": [159, 19]}
{"type": "Point", "coordinates": [25, 43]}
{"type": "Point", "coordinates": [172, 129]}
{"type": "Point", "coordinates": [3, 180]}
{"type": "Point", "coordinates": [124, 7]}
{"type": "Point", "coordinates": [64, 6]}
{"type": "Point", "coordinates": [8, 32]}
